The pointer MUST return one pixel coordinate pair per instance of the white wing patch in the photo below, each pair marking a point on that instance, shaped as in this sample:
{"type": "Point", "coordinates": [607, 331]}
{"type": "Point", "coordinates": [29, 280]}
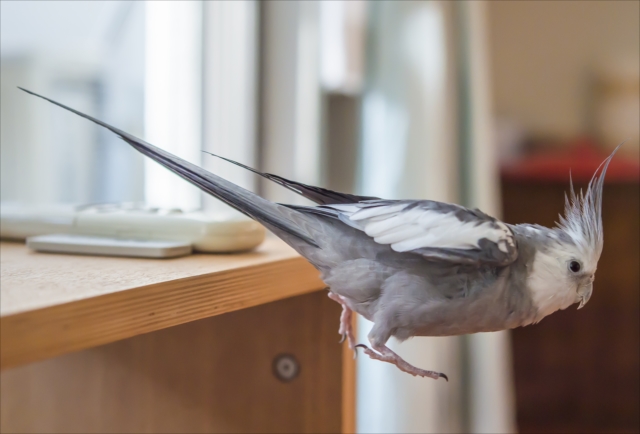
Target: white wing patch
{"type": "Point", "coordinates": [425, 228]}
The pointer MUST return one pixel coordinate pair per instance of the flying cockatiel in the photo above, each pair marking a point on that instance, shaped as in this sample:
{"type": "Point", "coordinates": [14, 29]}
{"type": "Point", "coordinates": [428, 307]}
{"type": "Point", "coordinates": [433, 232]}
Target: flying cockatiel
{"type": "Point", "coordinates": [420, 267]}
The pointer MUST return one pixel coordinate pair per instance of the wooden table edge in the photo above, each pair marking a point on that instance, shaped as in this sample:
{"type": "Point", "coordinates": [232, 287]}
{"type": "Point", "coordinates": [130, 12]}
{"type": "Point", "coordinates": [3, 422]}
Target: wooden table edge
{"type": "Point", "coordinates": [52, 331]}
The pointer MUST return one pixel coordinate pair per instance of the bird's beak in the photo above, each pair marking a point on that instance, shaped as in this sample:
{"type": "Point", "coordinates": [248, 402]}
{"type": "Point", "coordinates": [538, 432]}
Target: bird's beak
{"type": "Point", "coordinates": [585, 294]}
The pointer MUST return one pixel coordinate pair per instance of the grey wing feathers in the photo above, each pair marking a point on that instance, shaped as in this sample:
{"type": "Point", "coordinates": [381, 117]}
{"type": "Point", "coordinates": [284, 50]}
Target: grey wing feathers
{"type": "Point", "coordinates": [434, 230]}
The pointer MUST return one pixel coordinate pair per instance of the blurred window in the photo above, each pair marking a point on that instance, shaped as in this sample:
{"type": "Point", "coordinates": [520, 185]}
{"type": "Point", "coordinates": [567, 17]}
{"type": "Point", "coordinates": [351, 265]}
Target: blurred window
{"type": "Point", "coordinates": [89, 55]}
{"type": "Point", "coordinates": [181, 75]}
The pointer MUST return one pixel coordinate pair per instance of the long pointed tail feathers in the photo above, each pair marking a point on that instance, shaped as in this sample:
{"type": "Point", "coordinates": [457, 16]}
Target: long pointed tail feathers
{"type": "Point", "coordinates": [319, 195]}
{"type": "Point", "coordinates": [275, 217]}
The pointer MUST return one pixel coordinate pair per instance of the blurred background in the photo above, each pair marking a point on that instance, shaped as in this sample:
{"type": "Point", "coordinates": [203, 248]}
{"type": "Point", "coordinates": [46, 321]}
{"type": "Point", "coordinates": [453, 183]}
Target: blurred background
{"type": "Point", "coordinates": [486, 104]}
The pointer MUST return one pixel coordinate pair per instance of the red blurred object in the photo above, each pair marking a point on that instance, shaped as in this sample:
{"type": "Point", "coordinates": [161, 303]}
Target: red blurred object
{"type": "Point", "coordinates": [580, 159]}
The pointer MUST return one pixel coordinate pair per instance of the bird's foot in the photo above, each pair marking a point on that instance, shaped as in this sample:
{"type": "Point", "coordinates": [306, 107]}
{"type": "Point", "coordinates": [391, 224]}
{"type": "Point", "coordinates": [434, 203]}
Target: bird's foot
{"type": "Point", "coordinates": [346, 325]}
{"type": "Point", "coordinates": [384, 354]}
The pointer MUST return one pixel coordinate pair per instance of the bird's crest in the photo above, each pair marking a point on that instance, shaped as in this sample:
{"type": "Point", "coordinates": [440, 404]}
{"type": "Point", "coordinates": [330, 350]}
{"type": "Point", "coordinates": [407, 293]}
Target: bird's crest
{"type": "Point", "coordinates": [582, 219]}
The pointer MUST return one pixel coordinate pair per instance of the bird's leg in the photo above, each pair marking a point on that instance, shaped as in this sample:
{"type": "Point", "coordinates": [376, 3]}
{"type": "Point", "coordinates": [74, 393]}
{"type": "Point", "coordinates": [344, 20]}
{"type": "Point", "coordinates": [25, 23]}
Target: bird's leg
{"type": "Point", "coordinates": [385, 354]}
{"type": "Point", "coordinates": [346, 327]}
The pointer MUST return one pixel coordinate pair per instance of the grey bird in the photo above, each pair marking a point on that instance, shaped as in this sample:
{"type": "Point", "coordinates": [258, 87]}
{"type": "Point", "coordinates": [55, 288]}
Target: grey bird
{"type": "Point", "coordinates": [421, 267]}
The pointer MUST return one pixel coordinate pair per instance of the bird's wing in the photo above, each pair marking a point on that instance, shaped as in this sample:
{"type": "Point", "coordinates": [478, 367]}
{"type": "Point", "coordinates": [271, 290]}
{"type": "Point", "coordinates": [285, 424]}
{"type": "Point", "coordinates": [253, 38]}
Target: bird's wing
{"type": "Point", "coordinates": [437, 231]}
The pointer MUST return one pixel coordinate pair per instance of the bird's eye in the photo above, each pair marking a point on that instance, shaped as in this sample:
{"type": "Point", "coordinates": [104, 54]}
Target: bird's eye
{"type": "Point", "coordinates": [574, 266]}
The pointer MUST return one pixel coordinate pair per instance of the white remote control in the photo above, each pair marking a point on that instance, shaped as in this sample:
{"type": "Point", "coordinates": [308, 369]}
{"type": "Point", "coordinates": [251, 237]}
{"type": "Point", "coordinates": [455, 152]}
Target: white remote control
{"type": "Point", "coordinates": [205, 232]}
{"type": "Point", "coordinates": [106, 246]}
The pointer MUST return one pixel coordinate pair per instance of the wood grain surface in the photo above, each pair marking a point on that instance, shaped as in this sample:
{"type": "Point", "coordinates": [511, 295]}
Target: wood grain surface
{"type": "Point", "coordinates": [211, 375]}
{"type": "Point", "coordinates": [54, 304]}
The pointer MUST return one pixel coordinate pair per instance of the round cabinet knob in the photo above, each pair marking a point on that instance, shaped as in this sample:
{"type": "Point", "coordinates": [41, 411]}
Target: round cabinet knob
{"type": "Point", "coordinates": [285, 367]}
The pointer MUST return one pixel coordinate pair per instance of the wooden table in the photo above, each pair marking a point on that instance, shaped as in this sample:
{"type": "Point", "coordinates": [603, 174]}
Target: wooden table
{"type": "Point", "coordinates": [97, 344]}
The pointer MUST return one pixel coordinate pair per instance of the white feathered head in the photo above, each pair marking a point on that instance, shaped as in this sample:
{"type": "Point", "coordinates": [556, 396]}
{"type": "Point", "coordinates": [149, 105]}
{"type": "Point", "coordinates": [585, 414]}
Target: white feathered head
{"type": "Point", "coordinates": [583, 214]}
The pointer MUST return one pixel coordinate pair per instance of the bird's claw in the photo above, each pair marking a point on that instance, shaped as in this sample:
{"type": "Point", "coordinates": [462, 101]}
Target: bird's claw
{"type": "Point", "coordinates": [366, 349]}
{"type": "Point", "coordinates": [386, 355]}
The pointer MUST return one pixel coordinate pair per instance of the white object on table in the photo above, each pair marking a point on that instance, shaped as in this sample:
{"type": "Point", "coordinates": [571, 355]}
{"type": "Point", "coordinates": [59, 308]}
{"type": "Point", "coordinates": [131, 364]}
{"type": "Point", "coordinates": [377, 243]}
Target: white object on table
{"type": "Point", "coordinates": [103, 246]}
{"type": "Point", "coordinates": [204, 232]}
